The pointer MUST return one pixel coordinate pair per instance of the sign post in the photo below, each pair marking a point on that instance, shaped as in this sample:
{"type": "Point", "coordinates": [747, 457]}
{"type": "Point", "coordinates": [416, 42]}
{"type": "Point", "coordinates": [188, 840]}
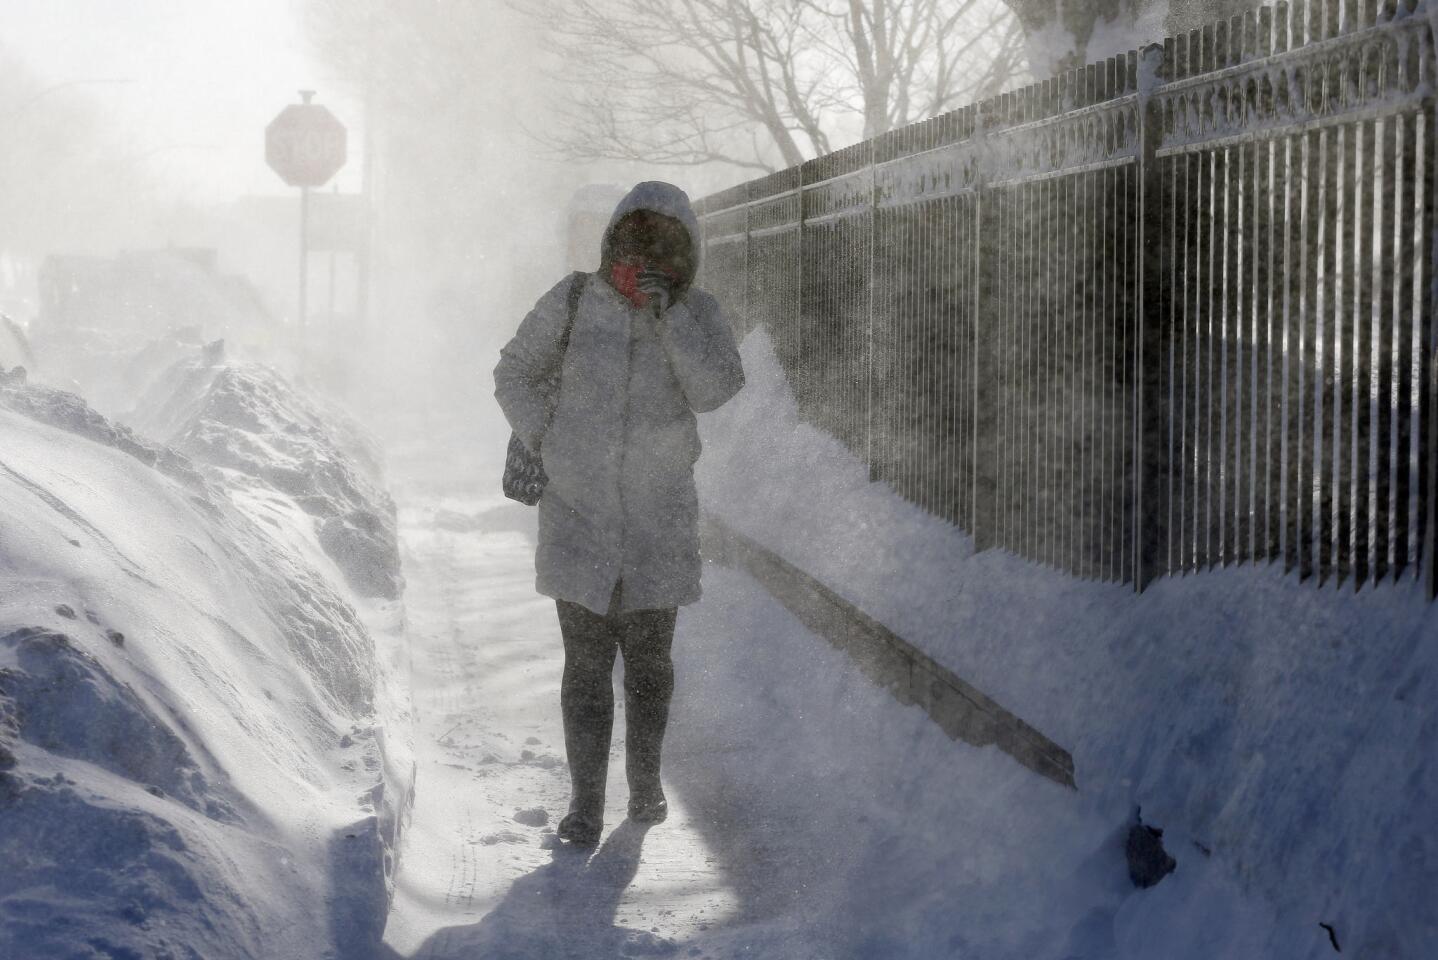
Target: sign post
{"type": "Point", "coordinates": [303, 313]}
{"type": "Point", "coordinates": [305, 144]}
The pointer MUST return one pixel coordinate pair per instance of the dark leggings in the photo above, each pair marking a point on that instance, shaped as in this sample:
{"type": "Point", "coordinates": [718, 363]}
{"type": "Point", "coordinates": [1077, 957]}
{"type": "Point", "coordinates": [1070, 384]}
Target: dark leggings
{"type": "Point", "coordinates": [587, 696]}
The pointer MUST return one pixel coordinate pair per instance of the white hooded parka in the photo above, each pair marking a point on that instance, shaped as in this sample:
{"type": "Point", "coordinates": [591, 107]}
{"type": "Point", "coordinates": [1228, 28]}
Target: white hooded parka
{"type": "Point", "coordinates": [621, 445]}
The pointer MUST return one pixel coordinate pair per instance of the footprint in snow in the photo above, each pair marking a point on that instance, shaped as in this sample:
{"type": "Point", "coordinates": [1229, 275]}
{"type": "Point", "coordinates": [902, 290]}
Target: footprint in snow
{"type": "Point", "coordinates": [503, 836]}
{"type": "Point", "coordinates": [533, 817]}
{"type": "Point", "coordinates": [546, 762]}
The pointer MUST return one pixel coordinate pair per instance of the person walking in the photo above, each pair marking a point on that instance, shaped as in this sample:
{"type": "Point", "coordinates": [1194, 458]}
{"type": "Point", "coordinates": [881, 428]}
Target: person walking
{"type": "Point", "coordinates": [603, 379]}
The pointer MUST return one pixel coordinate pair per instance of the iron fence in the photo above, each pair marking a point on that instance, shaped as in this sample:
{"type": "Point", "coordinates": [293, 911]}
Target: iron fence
{"type": "Point", "coordinates": [1166, 312]}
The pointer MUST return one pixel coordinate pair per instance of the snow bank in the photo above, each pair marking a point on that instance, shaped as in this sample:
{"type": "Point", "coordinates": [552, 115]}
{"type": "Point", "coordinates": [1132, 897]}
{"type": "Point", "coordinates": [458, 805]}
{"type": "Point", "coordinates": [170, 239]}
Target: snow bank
{"type": "Point", "coordinates": [1280, 732]}
{"type": "Point", "coordinates": [249, 421]}
{"type": "Point", "coordinates": [202, 725]}
{"type": "Point", "coordinates": [851, 826]}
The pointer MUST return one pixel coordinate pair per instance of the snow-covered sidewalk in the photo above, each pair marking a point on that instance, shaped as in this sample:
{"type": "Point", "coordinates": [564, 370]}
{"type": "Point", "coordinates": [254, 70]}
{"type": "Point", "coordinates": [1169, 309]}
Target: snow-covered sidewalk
{"type": "Point", "coordinates": [813, 815]}
{"type": "Point", "coordinates": [481, 873]}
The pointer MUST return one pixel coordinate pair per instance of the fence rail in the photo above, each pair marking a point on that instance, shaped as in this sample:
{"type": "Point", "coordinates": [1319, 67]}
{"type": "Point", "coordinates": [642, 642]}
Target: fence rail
{"type": "Point", "coordinates": [1165, 312]}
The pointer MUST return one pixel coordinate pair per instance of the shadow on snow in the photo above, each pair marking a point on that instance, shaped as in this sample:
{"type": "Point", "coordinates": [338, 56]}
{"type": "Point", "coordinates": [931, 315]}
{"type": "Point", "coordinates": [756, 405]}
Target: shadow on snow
{"type": "Point", "coordinates": [566, 908]}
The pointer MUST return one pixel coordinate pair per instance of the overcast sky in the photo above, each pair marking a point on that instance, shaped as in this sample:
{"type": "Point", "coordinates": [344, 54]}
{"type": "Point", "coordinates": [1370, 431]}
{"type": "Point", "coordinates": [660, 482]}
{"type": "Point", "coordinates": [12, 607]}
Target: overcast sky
{"type": "Point", "coordinates": [191, 82]}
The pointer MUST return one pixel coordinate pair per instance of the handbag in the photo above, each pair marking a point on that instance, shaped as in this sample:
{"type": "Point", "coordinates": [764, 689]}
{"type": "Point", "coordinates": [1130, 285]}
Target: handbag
{"type": "Point", "coordinates": [524, 476]}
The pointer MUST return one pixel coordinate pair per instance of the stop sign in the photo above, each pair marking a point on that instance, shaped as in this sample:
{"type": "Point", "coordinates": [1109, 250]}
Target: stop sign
{"type": "Point", "coordinates": [305, 144]}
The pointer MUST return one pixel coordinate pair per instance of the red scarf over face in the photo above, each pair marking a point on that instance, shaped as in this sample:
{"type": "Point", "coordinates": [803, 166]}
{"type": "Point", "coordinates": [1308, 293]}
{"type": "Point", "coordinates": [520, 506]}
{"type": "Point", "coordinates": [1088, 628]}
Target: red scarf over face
{"type": "Point", "coordinates": [624, 276]}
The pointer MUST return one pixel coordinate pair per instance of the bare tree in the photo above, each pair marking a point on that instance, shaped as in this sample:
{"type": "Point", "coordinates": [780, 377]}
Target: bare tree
{"type": "Point", "coordinates": [1063, 34]}
{"type": "Point", "coordinates": [920, 58]}
{"type": "Point", "coordinates": [755, 82]}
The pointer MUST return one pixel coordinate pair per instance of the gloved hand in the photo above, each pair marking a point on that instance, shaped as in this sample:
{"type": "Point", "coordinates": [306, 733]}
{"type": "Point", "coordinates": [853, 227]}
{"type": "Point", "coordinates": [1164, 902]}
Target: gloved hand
{"type": "Point", "coordinates": [659, 287]}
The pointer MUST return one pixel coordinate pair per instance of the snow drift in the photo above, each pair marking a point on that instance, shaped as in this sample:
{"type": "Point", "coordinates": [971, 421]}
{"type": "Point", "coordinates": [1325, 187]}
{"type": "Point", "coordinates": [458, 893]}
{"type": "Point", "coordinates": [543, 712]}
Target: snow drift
{"type": "Point", "coordinates": [203, 743]}
{"type": "Point", "coordinates": [1279, 732]}
{"type": "Point", "coordinates": [247, 420]}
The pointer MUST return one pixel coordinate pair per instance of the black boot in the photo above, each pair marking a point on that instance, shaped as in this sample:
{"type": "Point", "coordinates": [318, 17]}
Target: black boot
{"type": "Point", "coordinates": [649, 807]}
{"type": "Point", "coordinates": [580, 827]}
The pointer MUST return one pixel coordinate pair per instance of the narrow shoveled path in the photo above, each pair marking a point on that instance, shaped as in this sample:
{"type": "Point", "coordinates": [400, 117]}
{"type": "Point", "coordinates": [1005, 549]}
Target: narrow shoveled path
{"type": "Point", "coordinates": [481, 874]}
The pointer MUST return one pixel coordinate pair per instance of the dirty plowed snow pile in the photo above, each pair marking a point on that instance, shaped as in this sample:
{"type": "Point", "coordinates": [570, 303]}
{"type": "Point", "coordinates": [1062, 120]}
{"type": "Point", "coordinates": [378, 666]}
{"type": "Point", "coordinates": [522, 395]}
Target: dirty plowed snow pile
{"type": "Point", "coordinates": [202, 724]}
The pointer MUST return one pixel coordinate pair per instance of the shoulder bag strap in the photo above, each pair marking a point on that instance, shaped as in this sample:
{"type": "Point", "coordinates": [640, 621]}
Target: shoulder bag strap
{"type": "Point", "coordinates": [576, 289]}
